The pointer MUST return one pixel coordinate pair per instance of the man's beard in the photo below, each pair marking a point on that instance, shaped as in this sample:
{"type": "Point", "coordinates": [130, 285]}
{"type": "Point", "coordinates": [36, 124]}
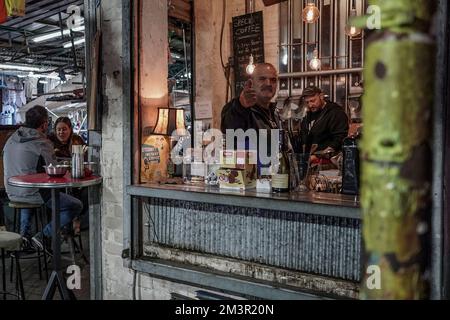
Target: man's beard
{"type": "Point", "coordinates": [318, 109]}
{"type": "Point", "coordinates": [269, 92]}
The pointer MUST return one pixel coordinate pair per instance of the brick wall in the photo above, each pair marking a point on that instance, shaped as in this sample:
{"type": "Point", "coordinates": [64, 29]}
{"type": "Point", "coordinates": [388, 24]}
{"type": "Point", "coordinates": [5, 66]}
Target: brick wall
{"type": "Point", "coordinates": [116, 280]}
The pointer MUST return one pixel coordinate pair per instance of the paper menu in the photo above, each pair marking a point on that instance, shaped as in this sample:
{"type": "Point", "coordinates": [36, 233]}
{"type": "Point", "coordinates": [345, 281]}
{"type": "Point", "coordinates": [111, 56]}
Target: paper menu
{"type": "Point", "coordinates": [203, 110]}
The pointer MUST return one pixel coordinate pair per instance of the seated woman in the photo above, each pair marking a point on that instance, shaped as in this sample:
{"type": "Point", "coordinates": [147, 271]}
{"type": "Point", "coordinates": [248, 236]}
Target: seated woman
{"type": "Point", "coordinates": [63, 138]}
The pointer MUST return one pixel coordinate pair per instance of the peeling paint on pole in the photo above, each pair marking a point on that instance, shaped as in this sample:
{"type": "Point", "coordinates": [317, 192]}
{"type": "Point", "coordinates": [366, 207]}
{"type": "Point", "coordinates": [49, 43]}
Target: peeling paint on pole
{"type": "Point", "coordinates": [397, 159]}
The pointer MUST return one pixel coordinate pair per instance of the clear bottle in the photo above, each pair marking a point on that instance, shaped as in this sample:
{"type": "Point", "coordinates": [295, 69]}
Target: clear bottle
{"type": "Point", "coordinates": [280, 175]}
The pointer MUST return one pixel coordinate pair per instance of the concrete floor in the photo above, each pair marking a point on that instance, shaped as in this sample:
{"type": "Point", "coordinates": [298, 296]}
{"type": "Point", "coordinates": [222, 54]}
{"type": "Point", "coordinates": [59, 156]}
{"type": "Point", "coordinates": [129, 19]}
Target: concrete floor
{"type": "Point", "coordinates": [34, 287]}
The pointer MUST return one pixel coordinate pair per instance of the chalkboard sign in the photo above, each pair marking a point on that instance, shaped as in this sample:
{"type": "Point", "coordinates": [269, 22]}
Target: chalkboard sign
{"type": "Point", "coordinates": [248, 39]}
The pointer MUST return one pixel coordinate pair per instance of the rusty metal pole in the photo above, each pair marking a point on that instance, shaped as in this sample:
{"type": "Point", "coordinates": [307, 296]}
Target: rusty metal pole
{"type": "Point", "coordinates": [396, 166]}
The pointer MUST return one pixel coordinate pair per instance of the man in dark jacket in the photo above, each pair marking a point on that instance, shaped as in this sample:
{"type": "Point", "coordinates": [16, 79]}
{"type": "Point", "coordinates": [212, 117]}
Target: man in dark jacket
{"type": "Point", "coordinates": [326, 124]}
{"type": "Point", "coordinates": [253, 109]}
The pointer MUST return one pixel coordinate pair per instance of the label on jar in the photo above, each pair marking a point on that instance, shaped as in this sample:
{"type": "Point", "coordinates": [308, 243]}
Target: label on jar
{"type": "Point", "coordinates": [280, 181]}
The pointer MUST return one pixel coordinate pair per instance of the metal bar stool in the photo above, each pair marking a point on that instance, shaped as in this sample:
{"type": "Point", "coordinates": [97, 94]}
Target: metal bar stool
{"type": "Point", "coordinates": [75, 248]}
{"type": "Point", "coordinates": [39, 224]}
{"type": "Point", "coordinates": [11, 242]}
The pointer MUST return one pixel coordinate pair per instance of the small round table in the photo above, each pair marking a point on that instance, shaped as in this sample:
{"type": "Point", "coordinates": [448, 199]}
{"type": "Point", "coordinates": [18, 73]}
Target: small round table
{"type": "Point", "coordinates": [43, 181]}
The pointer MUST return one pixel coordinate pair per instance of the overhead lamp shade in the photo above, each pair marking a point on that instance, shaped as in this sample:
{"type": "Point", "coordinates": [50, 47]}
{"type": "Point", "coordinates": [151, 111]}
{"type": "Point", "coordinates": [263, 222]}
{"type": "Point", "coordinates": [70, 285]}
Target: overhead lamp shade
{"type": "Point", "coordinates": [169, 120]}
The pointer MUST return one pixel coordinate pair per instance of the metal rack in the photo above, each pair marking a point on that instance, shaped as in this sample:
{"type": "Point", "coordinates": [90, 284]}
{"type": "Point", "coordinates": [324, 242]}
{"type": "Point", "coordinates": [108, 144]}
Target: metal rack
{"type": "Point", "coordinates": [341, 56]}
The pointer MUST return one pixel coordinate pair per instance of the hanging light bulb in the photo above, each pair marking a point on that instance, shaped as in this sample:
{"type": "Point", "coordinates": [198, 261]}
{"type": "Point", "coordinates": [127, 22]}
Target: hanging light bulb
{"type": "Point", "coordinates": [351, 30]}
{"type": "Point", "coordinates": [315, 62]}
{"type": "Point", "coordinates": [251, 66]}
{"type": "Point", "coordinates": [310, 13]}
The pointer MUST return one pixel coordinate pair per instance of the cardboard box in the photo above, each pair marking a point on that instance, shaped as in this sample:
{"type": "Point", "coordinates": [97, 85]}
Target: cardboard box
{"type": "Point", "coordinates": [237, 179]}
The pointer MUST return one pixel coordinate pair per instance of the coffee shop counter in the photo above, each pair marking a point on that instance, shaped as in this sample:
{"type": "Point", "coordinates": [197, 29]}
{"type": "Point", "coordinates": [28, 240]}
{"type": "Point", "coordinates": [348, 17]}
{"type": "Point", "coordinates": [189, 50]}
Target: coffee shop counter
{"type": "Point", "coordinates": [302, 241]}
{"type": "Point", "coordinates": [317, 203]}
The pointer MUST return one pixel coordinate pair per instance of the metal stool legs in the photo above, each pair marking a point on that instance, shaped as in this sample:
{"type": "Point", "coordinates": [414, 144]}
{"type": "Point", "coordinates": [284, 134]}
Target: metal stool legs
{"type": "Point", "coordinates": [80, 248]}
{"type": "Point", "coordinates": [75, 247]}
{"type": "Point", "coordinates": [42, 216]}
{"type": "Point", "coordinates": [3, 275]}
{"type": "Point", "coordinates": [39, 225]}
{"type": "Point", "coordinates": [20, 292]}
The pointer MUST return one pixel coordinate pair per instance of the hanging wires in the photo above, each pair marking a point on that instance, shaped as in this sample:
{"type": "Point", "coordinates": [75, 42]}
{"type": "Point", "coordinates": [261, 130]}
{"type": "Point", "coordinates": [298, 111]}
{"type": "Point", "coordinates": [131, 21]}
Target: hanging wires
{"type": "Point", "coordinates": [224, 8]}
{"type": "Point", "coordinates": [226, 67]}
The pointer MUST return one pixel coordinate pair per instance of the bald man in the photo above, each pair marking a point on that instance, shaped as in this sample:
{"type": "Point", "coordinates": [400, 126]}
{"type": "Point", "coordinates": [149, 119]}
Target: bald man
{"type": "Point", "coordinates": [254, 109]}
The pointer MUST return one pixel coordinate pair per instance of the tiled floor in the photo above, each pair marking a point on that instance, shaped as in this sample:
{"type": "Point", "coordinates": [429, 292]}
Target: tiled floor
{"type": "Point", "coordinates": [34, 287]}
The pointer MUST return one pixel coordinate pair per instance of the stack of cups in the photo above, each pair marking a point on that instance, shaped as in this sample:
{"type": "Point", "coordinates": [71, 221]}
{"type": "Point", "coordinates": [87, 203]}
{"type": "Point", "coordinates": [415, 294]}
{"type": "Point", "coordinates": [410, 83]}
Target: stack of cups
{"type": "Point", "coordinates": [77, 162]}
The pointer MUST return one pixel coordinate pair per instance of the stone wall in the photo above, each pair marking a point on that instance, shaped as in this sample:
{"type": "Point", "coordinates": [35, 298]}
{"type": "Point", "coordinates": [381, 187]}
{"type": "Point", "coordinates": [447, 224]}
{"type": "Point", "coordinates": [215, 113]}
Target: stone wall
{"type": "Point", "coordinates": [116, 280]}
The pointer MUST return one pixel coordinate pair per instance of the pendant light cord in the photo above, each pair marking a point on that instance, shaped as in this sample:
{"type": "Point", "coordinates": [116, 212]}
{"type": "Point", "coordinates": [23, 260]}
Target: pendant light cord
{"type": "Point", "coordinates": [225, 67]}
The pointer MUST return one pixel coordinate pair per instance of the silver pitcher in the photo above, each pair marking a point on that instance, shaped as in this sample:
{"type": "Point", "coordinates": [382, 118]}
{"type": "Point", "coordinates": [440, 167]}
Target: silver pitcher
{"type": "Point", "coordinates": [77, 162]}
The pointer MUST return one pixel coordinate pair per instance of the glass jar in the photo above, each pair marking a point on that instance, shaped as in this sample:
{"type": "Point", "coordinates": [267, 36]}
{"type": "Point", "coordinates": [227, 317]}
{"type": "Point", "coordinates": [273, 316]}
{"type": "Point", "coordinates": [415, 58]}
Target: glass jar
{"type": "Point", "coordinates": [194, 172]}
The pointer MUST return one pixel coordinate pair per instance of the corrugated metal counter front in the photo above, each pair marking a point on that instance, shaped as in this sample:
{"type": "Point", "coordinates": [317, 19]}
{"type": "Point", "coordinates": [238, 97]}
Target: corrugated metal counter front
{"type": "Point", "coordinates": [300, 239]}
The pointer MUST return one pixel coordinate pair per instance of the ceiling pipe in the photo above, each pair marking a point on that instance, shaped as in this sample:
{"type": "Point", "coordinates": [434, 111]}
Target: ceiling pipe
{"type": "Point", "coordinates": [319, 73]}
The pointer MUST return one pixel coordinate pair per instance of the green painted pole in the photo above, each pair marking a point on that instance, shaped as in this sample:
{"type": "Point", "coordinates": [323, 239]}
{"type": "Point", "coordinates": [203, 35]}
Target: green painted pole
{"type": "Point", "coordinates": [396, 154]}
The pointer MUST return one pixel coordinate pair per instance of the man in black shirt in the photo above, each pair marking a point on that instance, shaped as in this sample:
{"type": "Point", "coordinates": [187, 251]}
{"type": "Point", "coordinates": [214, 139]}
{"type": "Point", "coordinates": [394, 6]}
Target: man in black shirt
{"type": "Point", "coordinates": [325, 126]}
{"type": "Point", "coordinates": [254, 108]}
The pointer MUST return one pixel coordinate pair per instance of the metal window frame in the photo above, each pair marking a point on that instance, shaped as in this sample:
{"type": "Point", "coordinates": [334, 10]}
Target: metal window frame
{"type": "Point", "coordinates": [92, 15]}
{"type": "Point", "coordinates": [440, 247]}
{"type": "Point", "coordinates": [306, 74]}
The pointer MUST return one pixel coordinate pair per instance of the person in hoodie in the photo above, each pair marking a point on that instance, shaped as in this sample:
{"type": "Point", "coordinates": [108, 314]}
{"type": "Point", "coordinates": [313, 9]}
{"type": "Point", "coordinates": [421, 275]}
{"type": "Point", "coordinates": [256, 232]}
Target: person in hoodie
{"type": "Point", "coordinates": [27, 151]}
{"type": "Point", "coordinates": [325, 125]}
